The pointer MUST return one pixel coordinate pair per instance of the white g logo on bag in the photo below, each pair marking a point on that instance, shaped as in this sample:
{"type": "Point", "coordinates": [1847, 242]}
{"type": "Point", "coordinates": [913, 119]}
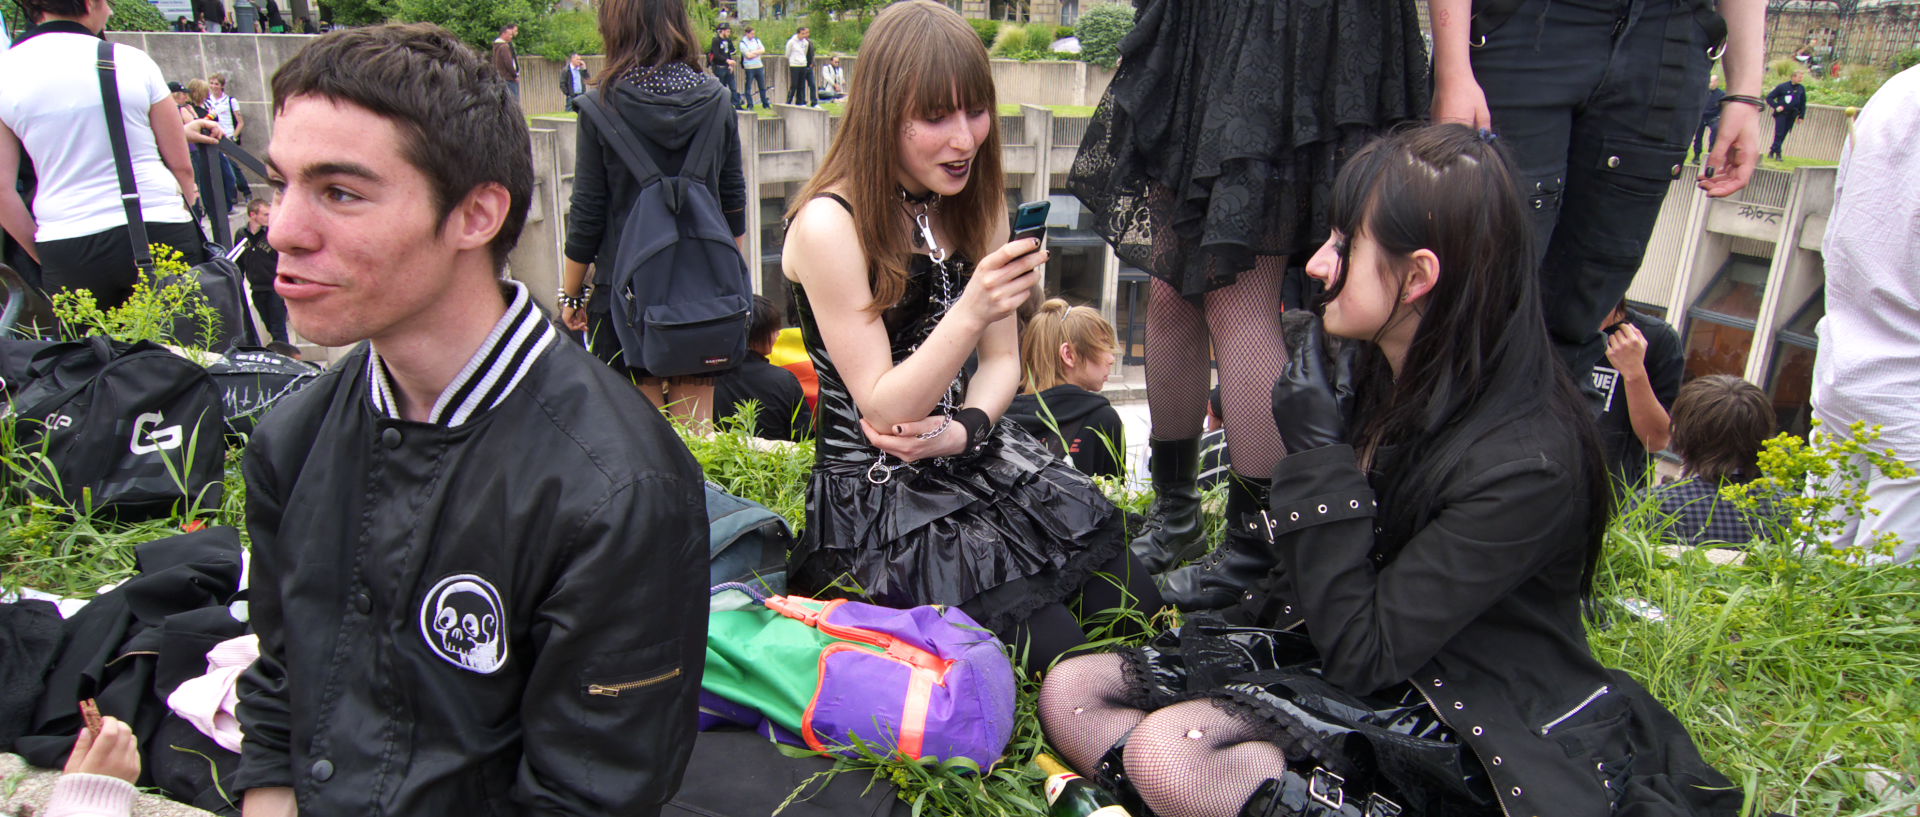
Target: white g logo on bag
{"type": "Point", "coordinates": [148, 439]}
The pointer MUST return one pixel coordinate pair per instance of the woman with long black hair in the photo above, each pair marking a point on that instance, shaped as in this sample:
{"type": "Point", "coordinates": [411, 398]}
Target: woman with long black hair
{"type": "Point", "coordinates": [1435, 527]}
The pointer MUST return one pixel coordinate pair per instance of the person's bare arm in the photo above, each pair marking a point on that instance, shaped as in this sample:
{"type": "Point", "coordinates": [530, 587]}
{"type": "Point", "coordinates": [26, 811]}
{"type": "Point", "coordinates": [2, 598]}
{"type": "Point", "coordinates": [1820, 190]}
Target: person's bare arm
{"type": "Point", "coordinates": [170, 136]}
{"type": "Point", "coordinates": [273, 802]}
{"type": "Point", "coordinates": [1627, 351]}
{"type": "Point", "coordinates": [1736, 148]}
{"type": "Point", "coordinates": [14, 216]}
{"type": "Point", "coordinates": [822, 255]}
{"type": "Point", "coordinates": [1456, 93]}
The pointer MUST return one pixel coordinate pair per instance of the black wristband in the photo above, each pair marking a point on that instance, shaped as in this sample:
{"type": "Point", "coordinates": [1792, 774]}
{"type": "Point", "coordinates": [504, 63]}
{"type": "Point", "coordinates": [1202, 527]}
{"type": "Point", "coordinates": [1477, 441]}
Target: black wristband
{"type": "Point", "coordinates": [1756, 102]}
{"type": "Point", "coordinates": [978, 426]}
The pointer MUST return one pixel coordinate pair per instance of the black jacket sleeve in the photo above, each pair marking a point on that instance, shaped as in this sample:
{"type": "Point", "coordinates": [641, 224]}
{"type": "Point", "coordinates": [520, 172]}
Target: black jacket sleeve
{"type": "Point", "coordinates": [612, 699]}
{"type": "Point", "coordinates": [1499, 526]}
{"type": "Point", "coordinates": [733, 184]}
{"type": "Point", "coordinates": [587, 213]}
{"type": "Point", "coordinates": [1094, 447]}
{"type": "Point", "coordinates": [265, 759]}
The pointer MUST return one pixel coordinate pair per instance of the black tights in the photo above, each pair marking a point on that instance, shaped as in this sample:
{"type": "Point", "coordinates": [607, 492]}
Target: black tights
{"type": "Point", "coordinates": [1053, 630]}
{"type": "Point", "coordinates": [1241, 322]}
{"type": "Point", "coordinates": [1191, 759]}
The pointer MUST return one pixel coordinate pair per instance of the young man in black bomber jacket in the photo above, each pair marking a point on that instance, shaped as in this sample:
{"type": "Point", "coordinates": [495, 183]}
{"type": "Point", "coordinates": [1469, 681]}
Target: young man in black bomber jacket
{"type": "Point", "coordinates": [478, 553]}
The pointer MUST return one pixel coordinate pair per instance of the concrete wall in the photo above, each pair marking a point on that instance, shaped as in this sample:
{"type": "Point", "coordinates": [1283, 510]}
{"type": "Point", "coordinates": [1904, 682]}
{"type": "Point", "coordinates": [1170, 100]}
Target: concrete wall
{"type": "Point", "coordinates": [249, 61]}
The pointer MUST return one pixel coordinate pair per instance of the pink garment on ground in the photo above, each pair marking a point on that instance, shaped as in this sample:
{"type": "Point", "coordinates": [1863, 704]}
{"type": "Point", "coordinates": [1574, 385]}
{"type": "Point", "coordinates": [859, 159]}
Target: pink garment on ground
{"type": "Point", "coordinates": [208, 702]}
{"type": "Point", "coordinates": [90, 795]}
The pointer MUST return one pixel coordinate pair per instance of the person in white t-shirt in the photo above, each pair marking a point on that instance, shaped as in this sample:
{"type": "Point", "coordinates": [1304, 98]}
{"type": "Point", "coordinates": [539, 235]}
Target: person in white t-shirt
{"type": "Point", "coordinates": [1870, 336]}
{"type": "Point", "coordinates": [226, 110]}
{"type": "Point", "coordinates": [51, 105]}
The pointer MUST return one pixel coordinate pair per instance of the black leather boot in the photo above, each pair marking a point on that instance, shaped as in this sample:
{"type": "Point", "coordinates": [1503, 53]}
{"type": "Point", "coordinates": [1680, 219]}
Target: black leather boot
{"type": "Point", "coordinates": [1172, 533]}
{"type": "Point", "coordinates": [1317, 793]}
{"type": "Point", "coordinates": [1244, 556]}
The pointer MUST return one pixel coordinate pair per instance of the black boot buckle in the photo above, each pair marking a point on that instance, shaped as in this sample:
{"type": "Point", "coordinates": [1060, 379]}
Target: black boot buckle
{"type": "Point", "coordinates": [1324, 787]}
{"type": "Point", "coordinates": [1378, 806]}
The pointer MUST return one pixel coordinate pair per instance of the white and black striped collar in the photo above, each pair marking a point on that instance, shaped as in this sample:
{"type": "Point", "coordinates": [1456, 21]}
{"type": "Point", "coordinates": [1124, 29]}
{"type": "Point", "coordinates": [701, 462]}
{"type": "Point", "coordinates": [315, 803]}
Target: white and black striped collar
{"type": "Point", "coordinates": [489, 376]}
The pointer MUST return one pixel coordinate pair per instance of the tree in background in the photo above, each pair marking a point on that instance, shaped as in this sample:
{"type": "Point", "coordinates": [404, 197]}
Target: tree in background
{"type": "Point", "coordinates": [1100, 29]}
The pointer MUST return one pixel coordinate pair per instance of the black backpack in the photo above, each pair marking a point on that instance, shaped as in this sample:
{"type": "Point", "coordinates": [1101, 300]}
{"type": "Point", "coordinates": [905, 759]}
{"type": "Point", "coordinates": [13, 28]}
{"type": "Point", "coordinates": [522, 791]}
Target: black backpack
{"type": "Point", "coordinates": [130, 428]}
{"type": "Point", "coordinates": [682, 295]}
{"type": "Point", "coordinates": [252, 380]}
{"type": "Point", "coordinates": [746, 542]}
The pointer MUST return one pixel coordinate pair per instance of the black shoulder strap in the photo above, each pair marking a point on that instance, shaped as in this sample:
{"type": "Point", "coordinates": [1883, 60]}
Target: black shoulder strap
{"type": "Point", "coordinates": [703, 157]}
{"type": "Point", "coordinates": [621, 137]}
{"type": "Point", "coordinates": [122, 159]}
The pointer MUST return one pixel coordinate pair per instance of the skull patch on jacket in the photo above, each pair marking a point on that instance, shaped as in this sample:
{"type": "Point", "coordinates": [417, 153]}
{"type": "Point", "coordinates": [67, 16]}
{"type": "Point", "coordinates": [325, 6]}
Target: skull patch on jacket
{"type": "Point", "coordinates": [464, 622]}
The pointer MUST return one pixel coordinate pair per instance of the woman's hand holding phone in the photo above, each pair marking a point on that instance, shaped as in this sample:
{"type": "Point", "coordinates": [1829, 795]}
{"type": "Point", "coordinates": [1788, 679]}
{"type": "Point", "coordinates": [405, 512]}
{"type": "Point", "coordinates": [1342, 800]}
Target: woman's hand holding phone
{"type": "Point", "coordinates": [1003, 281]}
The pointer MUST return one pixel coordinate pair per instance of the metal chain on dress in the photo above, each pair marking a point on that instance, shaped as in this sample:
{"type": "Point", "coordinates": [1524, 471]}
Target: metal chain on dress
{"type": "Point", "coordinates": [880, 472]}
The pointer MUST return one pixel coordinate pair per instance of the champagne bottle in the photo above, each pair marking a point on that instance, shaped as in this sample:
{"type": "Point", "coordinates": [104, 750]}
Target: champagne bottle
{"type": "Point", "coordinates": [1069, 795]}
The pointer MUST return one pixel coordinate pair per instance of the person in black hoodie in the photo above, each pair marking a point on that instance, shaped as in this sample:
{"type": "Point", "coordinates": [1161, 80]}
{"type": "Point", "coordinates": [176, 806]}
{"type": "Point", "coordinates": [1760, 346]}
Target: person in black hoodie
{"type": "Point", "coordinates": [781, 412]}
{"type": "Point", "coordinates": [1067, 352]}
{"type": "Point", "coordinates": [1788, 100]}
{"type": "Point", "coordinates": [653, 81]}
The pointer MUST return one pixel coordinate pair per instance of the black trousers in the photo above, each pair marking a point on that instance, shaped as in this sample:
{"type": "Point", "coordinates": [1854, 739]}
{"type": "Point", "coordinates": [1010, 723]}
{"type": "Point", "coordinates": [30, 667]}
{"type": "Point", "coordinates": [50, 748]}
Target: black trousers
{"type": "Point", "coordinates": [796, 79]}
{"type": "Point", "coordinates": [271, 309]}
{"type": "Point", "coordinates": [1703, 138]}
{"type": "Point", "coordinates": [1595, 102]}
{"type": "Point", "coordinates": [1782, 125]}
{"type": "Point", "coordinates": [103, 262]}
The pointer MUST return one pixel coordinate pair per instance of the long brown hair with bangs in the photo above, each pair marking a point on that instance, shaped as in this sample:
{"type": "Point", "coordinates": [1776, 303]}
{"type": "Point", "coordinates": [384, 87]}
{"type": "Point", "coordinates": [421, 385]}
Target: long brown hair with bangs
{"type": "Point", "coordinates": [645, 34]}
{"type": "Point", "coordinates": [918, 60]}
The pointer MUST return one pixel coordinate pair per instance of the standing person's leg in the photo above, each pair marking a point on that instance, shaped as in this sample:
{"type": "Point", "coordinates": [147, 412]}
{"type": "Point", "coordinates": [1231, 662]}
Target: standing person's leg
{"type": "Point", "coordinates": [1627, 146]}
{"type": "Point", "coordinates": [272, 311]}
{"type": "Point", "coordinates": [690, 400]}
{"type": "Point", "coordinates": [813, 93]}
{"type": "Point", "coordinates": [793, 83]}
{"type": "Point", "coordinates": [1782, 125]}
{"type": "Point", "coordinates": [1244, 322]}
{"type": "Point", "coordinates": [1177, 379]}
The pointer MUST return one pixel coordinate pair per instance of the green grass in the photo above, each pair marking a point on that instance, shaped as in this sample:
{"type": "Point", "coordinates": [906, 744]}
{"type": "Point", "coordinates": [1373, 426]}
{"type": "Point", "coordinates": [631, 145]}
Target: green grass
{"type": "Point", "coordinates": [1798, 676]}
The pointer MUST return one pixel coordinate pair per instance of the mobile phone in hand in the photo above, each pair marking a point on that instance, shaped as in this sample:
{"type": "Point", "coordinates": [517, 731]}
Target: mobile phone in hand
{"type": "Point", "coordinates": [1030, 221]}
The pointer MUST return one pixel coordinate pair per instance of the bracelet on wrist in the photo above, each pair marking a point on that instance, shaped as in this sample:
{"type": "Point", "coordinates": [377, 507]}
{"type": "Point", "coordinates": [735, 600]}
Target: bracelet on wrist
{"type": "Point", "coordinates": [978, 426]}
{"type": "Point", "coordinates": [1757, 103]}
{"type": "Point", "coordinates": [944, 423]}
{"type": "Point", "coordinates": [573, 301]}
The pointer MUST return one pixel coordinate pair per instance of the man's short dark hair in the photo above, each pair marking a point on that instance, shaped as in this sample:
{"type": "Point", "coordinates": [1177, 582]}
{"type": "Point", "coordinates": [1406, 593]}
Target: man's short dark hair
{"type": "Point", "coordinates": [254, 205]}
{"type": "Point", "coordinates": [1720, 423]}
{"type": "Point", "coordinates": [509, 27]}
{"type": "Point", "coordinates": [767, 320]}
{"type": "Point", "coordinates": [36, 9]}
{"type": "Point", "coordinates": [749, 29]}
{"type": "Point", "coordinates": [458, 121]}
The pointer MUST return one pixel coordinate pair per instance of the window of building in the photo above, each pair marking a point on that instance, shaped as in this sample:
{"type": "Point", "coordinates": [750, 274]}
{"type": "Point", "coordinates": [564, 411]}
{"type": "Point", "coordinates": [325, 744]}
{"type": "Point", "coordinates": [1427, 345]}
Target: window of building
{"type": "Point", "coordinates": [1721, 322]}
{"type": "Point", "coordinates": [1790, 383]}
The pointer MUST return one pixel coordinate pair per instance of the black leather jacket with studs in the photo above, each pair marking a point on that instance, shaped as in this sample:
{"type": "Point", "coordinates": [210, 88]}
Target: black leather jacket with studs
{"type": "Point", "coordinates": [1480, 610]}
{"type": "Point", "coordinates": [501, 616]}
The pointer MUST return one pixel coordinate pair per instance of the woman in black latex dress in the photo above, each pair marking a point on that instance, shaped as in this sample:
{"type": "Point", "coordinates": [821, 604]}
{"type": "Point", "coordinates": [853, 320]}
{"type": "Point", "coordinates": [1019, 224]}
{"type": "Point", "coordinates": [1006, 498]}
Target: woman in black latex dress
{"type": "Point", "coordinates": [896, 251]}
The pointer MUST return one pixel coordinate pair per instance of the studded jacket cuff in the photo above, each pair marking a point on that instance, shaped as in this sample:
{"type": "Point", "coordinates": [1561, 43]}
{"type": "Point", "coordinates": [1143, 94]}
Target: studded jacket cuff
{"type": "Point", "coordinates": [1316, 487]}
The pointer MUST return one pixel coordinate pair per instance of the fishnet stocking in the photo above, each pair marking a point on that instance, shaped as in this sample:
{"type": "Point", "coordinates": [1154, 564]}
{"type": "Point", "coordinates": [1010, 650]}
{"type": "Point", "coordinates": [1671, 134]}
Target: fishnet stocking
{"type": "Point", "coordinates": [1083, 709]}
{"type": "Point", "coordinates": [1243, 322]}
{"type": "Point", "coordinates": [1194, 759]}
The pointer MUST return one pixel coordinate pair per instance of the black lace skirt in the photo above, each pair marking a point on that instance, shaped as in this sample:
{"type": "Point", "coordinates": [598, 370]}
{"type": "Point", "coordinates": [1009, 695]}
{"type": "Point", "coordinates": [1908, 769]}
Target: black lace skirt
{"type": "Point", "coordinates": [1220, 136]}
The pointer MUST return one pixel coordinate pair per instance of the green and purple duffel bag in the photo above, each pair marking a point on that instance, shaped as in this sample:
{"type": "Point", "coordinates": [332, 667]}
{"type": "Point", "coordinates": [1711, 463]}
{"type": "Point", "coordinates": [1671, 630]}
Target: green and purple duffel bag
{"type": "Point", "coordinates": [835, 676]}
